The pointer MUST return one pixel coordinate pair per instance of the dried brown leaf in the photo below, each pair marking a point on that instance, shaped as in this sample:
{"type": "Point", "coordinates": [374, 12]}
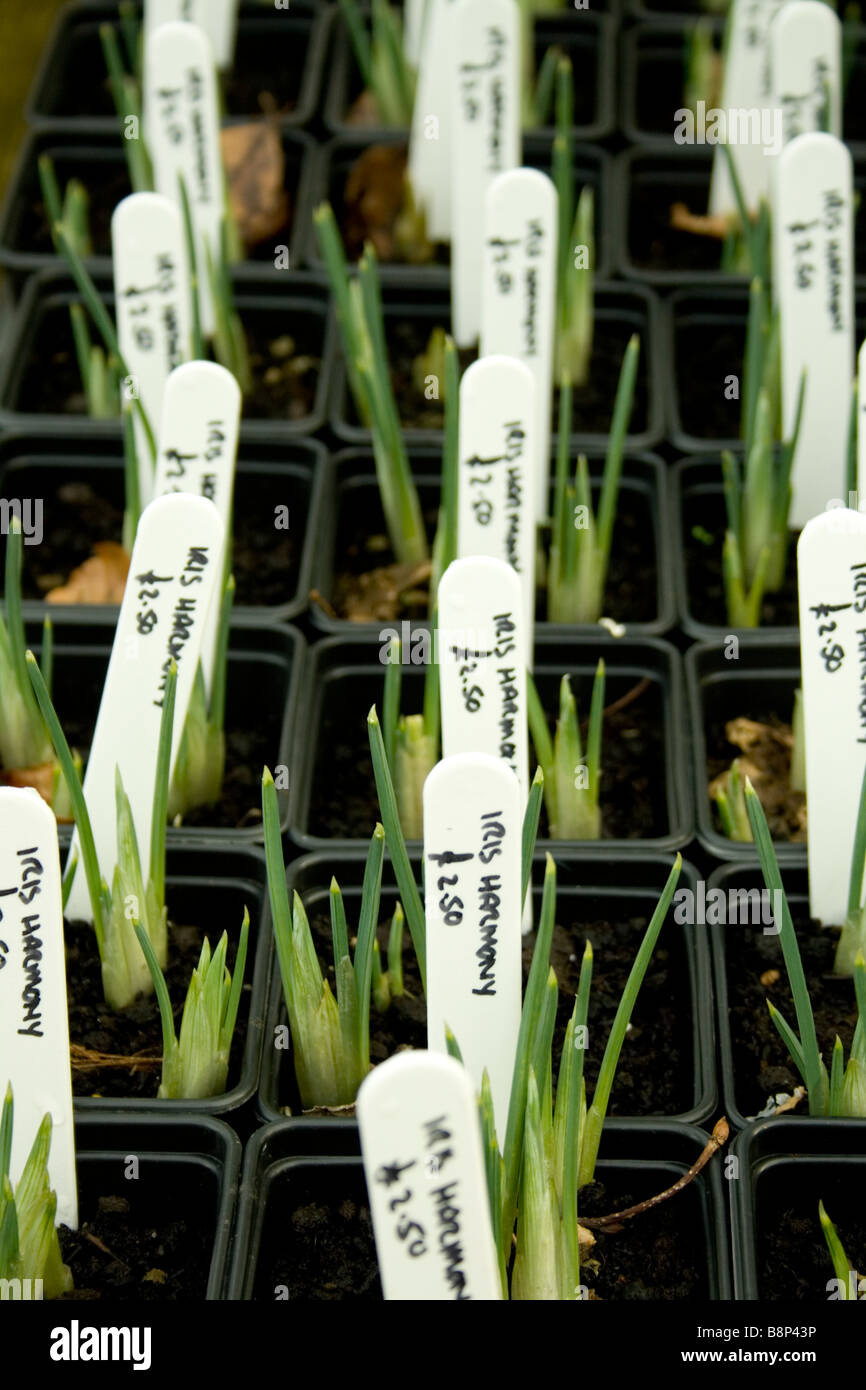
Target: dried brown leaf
{"type": "Point", "coordinates": [101, 579]}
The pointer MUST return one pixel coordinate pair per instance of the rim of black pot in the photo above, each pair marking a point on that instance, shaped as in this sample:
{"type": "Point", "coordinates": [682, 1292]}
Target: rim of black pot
{"type": "Point", "coordinates": [765, 1144]}
{"type": "Point", "coordinates": [628, 880]}
{"type": "Point", "coordinates": [644, 475]}
{"type": "Point", "coordinates": [75, 634]}
{"type": "Point", "coordinates": [590, 163]}
{"type": "Point", "coordinates": [603, 31]}
{"type": "Point", "coordinates": [680, 478]}
{"type": "Point", "coordinates": [306, 467]}
{"type": "Point", "coordinates": [556, 653]}
{"type": "Point", "coordinates": [613, 301]}
{"type": "Point", "coordinates": [114, 1134]}
{"type": "Point", "coordinates": [666, 1144]}
{"type": "Point", "coordinates": [241, 867]}
{"type": "Point", "coordinates": [317, 20]}
{"type": "Point", "coordinates": [52, 288]}
{"type": "Point", "coordinates": [772, 658]}
{"type": "Point", "coordinates": [106, 150]}
{"type": "Point", "coordinates": [662, 31]}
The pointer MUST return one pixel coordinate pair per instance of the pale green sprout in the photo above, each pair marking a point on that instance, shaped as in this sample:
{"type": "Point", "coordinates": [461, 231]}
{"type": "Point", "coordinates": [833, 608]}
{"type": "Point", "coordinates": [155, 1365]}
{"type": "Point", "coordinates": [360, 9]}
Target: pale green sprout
{"type": "Point", "coordinates": [195, 1065]}
{"type": "Point", "coordinates": [359, 314]}
{"type": "Point", "coordinates": [388, 984]}
{"type": "Point", "coordinates": [730, 798]}
{"type": "Point", "coordinates": [797, 775]}
{"type": "Point", "coordinates": [382, 61]}
{"type": "Point", "coordinates": [135, 895]}
{"type": "Point", "coordinates": [411, 740]}
{"type": "Point", "coordinates": [29, 1245]}
{"type": "Point", "coordinates": [200, 764]}
{"type": "Point", "coordinates": [331, 1037]}
{"type": "Point", "coordinates": [576, 245]}
{"type": "Point", "coordinates": [580, 540]}
{"type": "Point", "coordinates": [571, 774]}
{"type": "Point", "coordinates": [126, 91]}
{"type": "Point", "coordinates": [846, 1275]}
{"type": "Point", "coordinates": [843, 1090]}
{"type": "Point", "coordinates": [852, 941]}
{"type": "Point", "coordinates": [24, 740]}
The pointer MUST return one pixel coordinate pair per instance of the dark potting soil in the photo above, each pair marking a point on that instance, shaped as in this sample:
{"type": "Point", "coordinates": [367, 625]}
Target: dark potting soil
{"type": "Point", "coordinates": [762, 1065]}
{"type": "Point", "coordinates": [707, 353]}
{"type": "Point", "coordinates": [782, 805]}
{"type": "Point", "coordinates": [792, 1257]}
{"type": "Point", "coordinates": [285, 368]}
{"type": "Point", "coordinates": [592, 404]}
{"type": "Point", "coordinates": [148, 1251]}
{"type": "Point", "coordinates": [325, 1252]}
{"type": "Point", "coordinates": [656, 1070]}
{"type": "Point", "coordinates": [78, 515]}
{"type": "Point", "coordinates": [137, 1029]}
{"type": "Point", "coordinates": [703, 537]}
{"type": "Point", "coordinates": [631, 591]}
{"type": "Point", "coordinates": [343, 802]}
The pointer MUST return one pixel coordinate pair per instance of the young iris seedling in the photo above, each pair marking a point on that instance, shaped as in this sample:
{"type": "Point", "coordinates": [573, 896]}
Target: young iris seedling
{"type": "Point", "coordinates": [580, 540]}
{"type": "Point", "coordinates": [576, 246]}
{"type": "Point", "coordinates": [331, 1037]}
{"type": "Point", "coordinates": [125, 972]}
{"type": "Point", "coordinates": [729, 793]}
{"type": "Point", "coordinates": [200, 764]}
{"type": "Point", "coordinates": [843, 1091]}
{"type": "Point", "coordinates": [387, 74]}
{"type": "Point", "coordinates": [571, 780]}
{"type": "Point", "coordinates": [852, 941]}
{"type": "Point", "coordinates": [196, 1064]}
{"type": "Point", "coordinates": [847, 1279]}
{"type": "Point", "coordinates": [29, 1245]}
{"type": "Point", "coordinates": [411, 740]}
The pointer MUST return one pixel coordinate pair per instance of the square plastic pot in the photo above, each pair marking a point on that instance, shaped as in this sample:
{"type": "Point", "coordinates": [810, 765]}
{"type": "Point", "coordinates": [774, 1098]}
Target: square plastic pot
{"type": "Point", "coordinates": [620, 312]}
{"type": "Point", "coordinates": [70, 87]}
{"type": "Point", "coordinates": [279, 1178]}
{"type": "Point", "coordinates": [344, 678]}
{"type": "Point", "coordinates": [268, 475]}
{"type": "Point", "coordinates": [698, 501]}
{"type": "Point", "coordinates": [188, 1165]}
{"type": "Point", "coordinates": [352, 509]}
{"type": "Point", "coordinates": [294, 305]}
{"type": "Point", "coordinates": [587, 39]}
{"type": "Point", "coordinates": [99, 162]}
{"type": "Point", "coordinates": [209, 887]}
{"type": "Point", "coordinates": [783, 1174]}
{"type": "Point", "coordinates": [759, 680]}
{"type": "Point", "coordinates": [598, 889]}
{"type": "Point", "coordinates": [265, 671]}
{"type": "Point", "coordinates": [653, 59]}
{"type": "Point", "coordinates": [332, 165]}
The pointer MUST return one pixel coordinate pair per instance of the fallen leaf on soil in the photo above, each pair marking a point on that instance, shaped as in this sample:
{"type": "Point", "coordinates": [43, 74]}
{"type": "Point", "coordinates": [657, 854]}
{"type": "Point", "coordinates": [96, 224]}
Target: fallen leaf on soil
{"type": "Point", "coordinates": [373, 198]}
{"type": "Point", "coordinates": [700, 224]}
{"type": "Point", "coordinates": [381, 593]}
{"type": "Point", "coordinates": [256, 176]}
{"type": "Point", "coordinates": [101, 579]}
{"type": "Point", "coordinates": [41, 778]}
{"type": "Point", "coordinates": [767, 764]}
{"type": "Point", "coordinates": [85, 1059]}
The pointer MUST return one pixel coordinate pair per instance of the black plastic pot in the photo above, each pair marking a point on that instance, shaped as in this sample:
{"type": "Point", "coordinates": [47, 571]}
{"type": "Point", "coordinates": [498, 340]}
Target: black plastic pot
{"type": "Point", "coordinates": [783, 1174]}
{"type": "Point", "coordinates": [344, 678]}
{"type": "Point", "coordinates": [411, 313]}
{"type": "Point", "coordinates": [756, 679]}
{"type": "Point", "coordinates": [653, 62]}
{"type": "Point", "coordinates": [699, 520]}
{"type": "Point", "coordinates": [332, 165]}
{"type": "Point", "coordinates": [41, 334]}
{"type": "Point", "coordinates": [70, 86]}
{"type": "Point", "coordinates": [188, 1167]}
{"type": "Point", "coordinates": [593, 891]}
{"type": "Point", "coordinates": [736, 960]}
{"type": "Point", "coordinates": [587, 39]}
{"type": "Point", "coordinates": [265, 670]}
{"type": "Point", "coordinates": [352, 511]}
{"type": "Point", "coordinates": [706, 340]}
{"type": "Point", "coordinates": [269, 474]}
{"type": "Point", "coordinates": [280, 1177]}
{"type": "Point", "coordinates": [99, 162]}
{"type": "Point", "coordinates": [208, 887]}
{"type": "Point", "coordinates": [647, 182]}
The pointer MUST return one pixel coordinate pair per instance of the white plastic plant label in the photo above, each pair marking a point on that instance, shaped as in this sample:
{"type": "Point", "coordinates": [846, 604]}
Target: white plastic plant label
{"type": "Point", "coordinates": [805, 67]}
{"type": "Point", "coordinates": [174, 574]}
{"type": "Point", "coordinates": [497, 456]}
{"type": "Point", "coordinates": [482, 664]}
{"type": "Point", "coordinates": [752, 125]}
{"type": "Point", "coordinates": [218, 19]}
{"type": "Point", "coordinates": [413, 29]}
{"type": "Point", "coordinates": [430, 140]}
{"type": "Point", "coordinates": [182, 120]}
{"type": "Point", "coordinates": [34, 1017]}
{"type": "Point", "coordinates": [813, 255]}
{"type": "Point", "coordinates": [518, 289]}
{"type": "Point", "coordinates": [485, 103]}
{"type": "Point", "coordinates": [473, 821]}
{"type": "Point", "coordinates": [152, 293]}
{"type": "Point", "coordinates": [423, 1162]}
{"type": "Point", "coordinates": [831, 563]}
{"type": "Point", "coordinates": [861, 425]}
{"type": "Point", "coordinates": [197, 453]}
